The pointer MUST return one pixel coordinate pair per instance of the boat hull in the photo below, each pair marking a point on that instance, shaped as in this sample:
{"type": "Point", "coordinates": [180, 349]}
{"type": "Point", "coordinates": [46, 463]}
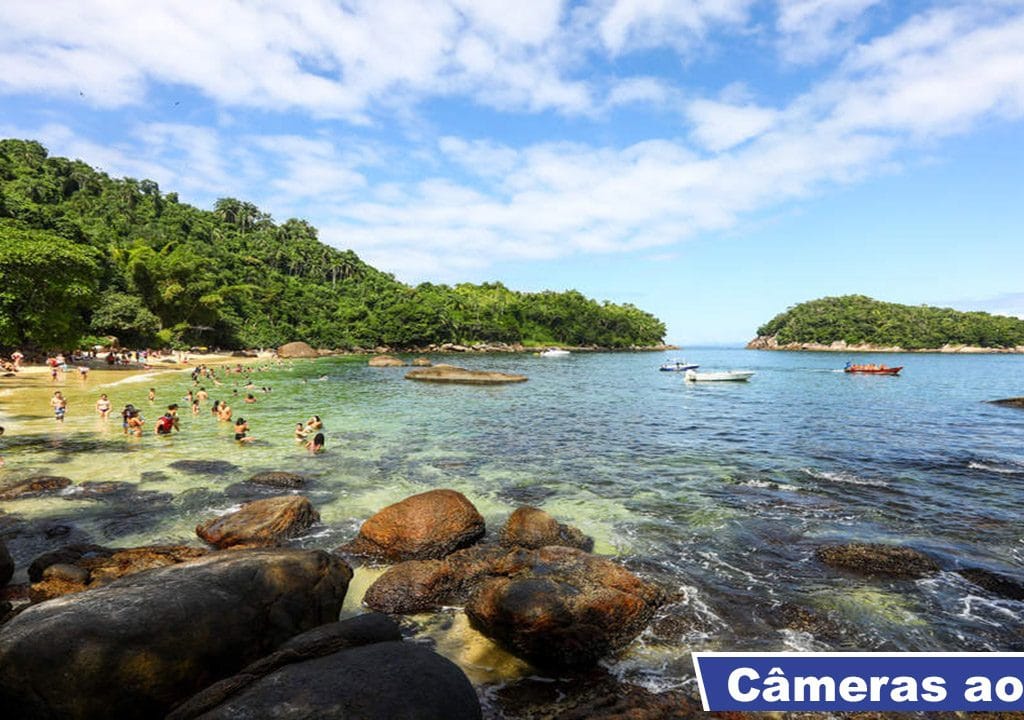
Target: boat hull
{"type": "Point", "coordinates": [873, 371]}
{"type": "Point", "coordinates": [731, 376]}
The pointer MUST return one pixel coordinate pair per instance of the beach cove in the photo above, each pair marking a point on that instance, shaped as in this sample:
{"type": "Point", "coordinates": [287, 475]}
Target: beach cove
{"type": "Point", "coordinates": [722, 496]}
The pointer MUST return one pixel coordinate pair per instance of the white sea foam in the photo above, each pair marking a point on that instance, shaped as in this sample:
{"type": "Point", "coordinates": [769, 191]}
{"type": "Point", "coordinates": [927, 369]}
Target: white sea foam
{"type": "Point", "coordinates": [144, 377]}
{"type": "Point", "coordinates": [1010, 468]}
{"type": "Point", "coordinates": [842, 476]}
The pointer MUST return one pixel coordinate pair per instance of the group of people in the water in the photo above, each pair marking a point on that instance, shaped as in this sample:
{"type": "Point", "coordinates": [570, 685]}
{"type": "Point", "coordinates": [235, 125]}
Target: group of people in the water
{"type": "Point", "coordinates": [133, 423]}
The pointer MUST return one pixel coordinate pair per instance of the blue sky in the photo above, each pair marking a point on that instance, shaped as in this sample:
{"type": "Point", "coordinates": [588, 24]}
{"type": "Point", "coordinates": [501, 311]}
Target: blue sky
{"type": "Point", "coordinates": [711, 161]}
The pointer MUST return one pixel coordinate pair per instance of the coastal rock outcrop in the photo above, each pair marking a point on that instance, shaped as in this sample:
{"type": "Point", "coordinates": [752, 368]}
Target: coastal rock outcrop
{"type": "Point", "coordinates": [421, 527]}
{"type": "Point", "coordinates": [386, 361]}
{"type": "Point", "coordinates": [357, 668]}
{"type": "Point", "coordinates": [531, 527]}
{"type": "Point", "coordinates": [6, 564]}
{"type": "Point", "coordinates": [138, 646]}
{"type": "Point", "coordinates": [296, 350]}
{"type": "Point", "coordinates": [422, 362]}
{"type": "Point", "coordinates": [1017, 402]}
{"type": "Point", "coordinates": [278, 479]}
{"type": "Point", "coordinates": [561, 607]}
{"type": "Point", "coordinates": [878, 559]}
{"type": "Point", "coordinates": [81, 567]}
{"type": "Point", "coordinates": [453, 374]}
{"type": "Point", "coordinates": [34, 486]}
{"type": "Point", "coordinates": [260, 522]}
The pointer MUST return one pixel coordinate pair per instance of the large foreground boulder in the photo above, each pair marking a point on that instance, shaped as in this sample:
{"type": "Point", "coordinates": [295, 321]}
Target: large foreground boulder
{"type": "Point", "coordinates": [561, 607]}
{"type": "Point", "coordinates": [531, 527]}
{"type": "Point", "coordinates": [358, 668]}
{"type": "Point", "coordinates": [878, 559]}
{"type": "Point", "coordinates": [260, 522]}
{"type": "Point", "coordinates": [296, 350]}
{"type": "Point", "coordinates": [452, 374]}
{"type": "Point", "coordinates": [136, 647]}
{"type": "Point", "coordinates": [429, 525]}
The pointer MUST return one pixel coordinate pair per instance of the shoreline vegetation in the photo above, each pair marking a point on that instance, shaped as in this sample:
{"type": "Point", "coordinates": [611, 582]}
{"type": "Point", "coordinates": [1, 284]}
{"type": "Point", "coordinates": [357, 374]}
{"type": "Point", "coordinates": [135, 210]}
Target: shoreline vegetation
{"type": "Point", "coordinates": [88, 258]}
{"type": "Point", "coordinates": [856, 323]}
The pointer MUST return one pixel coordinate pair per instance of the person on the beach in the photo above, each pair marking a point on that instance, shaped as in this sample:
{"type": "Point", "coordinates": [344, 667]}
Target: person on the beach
{"type": "Point", "coordinates": [300, 432]}
{"type": "Point", "coordinates": [16, 358]}
{"type": "Point", "coordinates": [60, 406]}
{"type": "Point", "coordinates": [152, 394]}
{"type": "Point", "coordinates": [52, 362]}
{"type": "Point", "coordinates": [103, 406]}
{"type": "Point", "coordinates": [242, 431]}
{"type": "Point", "coordinates": [316, 445]}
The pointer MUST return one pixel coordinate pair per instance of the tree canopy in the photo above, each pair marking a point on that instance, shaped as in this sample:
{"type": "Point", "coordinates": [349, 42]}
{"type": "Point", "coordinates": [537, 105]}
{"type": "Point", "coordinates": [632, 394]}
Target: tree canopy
{"type": "Point", "coordinates": [857, 319]}
{"type": "Point", "coordinates": [81, 252]}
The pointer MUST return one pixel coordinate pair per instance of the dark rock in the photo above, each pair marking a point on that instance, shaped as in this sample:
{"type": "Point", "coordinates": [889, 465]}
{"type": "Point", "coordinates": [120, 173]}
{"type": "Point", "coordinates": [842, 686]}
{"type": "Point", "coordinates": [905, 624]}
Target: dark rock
{"type": "Point", "coordinates": [6, 564]}
{"type": "Point", "coordinates": [995, 583]}
{"type": "Point", "coordinates": [67, 573]}
{"type": "Point", "coordinates": [1017, 402]}
{"type": "Point", "coordinates": [381, 681]}
{"type": "Point", "coordinates": [531, 527]}
{"type": "Point", "coordinates": [878, 559]}
{"type": "Point", "coordinates": [318, 642]}
{"type": "Point", "coordinates": [154, 476]}
{"type": "Point", "coordinates": [34, 486]}
{"type": "Point", "coordinates": [278, 479]}
{"type": "Point", "coordinates": [70, 555]}
{"type": "Point", "coordinates": [136, 647]}
{"type": "Point", "coordinates": [422, 585]}
{"type": "Point", "coordinates": [422, 527]}
{"type": "Point", "coordinates": [561, 607]}
{"type": "Point", "coordinates": [260, 522]}
{"type": "Point", "coordinates": [204, 467]}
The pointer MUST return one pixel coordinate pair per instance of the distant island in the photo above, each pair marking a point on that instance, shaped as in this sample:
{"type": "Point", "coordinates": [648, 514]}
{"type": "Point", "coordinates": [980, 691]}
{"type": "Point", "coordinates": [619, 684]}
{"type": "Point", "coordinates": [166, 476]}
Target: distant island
{"type": "Point", "coordinates": [85, 258]}
{"type": "Point", "coordinates": [856, 323]}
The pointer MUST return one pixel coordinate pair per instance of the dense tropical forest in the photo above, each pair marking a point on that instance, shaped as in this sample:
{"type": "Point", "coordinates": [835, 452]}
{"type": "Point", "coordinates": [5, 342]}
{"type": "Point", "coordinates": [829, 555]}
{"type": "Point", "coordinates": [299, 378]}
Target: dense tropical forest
{"type": "Point", "coordinates": [857, 319]}
{"type": "Point", "coordinates": [84, 256]}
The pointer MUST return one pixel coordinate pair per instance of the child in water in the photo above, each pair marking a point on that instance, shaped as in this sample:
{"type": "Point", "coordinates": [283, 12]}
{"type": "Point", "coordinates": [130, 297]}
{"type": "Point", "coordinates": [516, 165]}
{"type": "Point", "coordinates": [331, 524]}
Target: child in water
{"type": "Point", "coordinates": [300, 432]}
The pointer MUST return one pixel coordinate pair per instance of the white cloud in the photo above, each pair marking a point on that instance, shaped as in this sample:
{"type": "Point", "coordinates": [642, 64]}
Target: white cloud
{"type": "Point", "coordinates": [815, 29]}
{"type": "Point", "coordinates": [720, 126]}
{"type": "Point", "coordinates": [632, 24]}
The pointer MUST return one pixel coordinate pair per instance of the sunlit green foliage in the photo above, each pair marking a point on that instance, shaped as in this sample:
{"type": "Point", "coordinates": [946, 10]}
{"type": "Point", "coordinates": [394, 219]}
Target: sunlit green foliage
{"type": "Point", "coordinates": [138, 264]}
{"type": "Point", "coordinates": [858, 319]}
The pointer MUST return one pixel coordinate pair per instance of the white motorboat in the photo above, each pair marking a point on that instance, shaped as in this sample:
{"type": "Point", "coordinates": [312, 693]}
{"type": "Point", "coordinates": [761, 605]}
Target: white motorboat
{"type": "Point", "coordinates": [678, 366]}
{"type": "Point", "coordinates": [724, 376]}
{"type": "Point", "coordinates": [555, 352]}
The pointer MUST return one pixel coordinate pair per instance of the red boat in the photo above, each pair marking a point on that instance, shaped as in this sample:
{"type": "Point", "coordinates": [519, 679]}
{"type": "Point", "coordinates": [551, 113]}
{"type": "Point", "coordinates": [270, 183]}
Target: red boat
{"type": "Point", "coordinates": [872, 369]}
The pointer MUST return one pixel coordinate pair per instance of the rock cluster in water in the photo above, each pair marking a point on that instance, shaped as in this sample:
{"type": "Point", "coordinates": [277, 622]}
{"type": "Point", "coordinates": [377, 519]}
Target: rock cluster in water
{"type": "Point", "coordinates": [453, 374]}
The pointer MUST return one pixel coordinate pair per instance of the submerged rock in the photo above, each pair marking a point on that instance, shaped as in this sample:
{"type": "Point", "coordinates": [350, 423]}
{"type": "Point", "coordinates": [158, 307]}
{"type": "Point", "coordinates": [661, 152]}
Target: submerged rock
{"type": "Point", "coordinates": [297, 350]}
{"type": "Point", "coordinates": [531, 527]}
{"type": "Point", "coordinates": [561, 607]}
{"type": "Point", "coordinates": [138, 646]}
{"type": "Point", "coordinates": [260, 522]}
{"type": "Point", "coordinates": [452, 374]}
{"type": "Point", "coordinates": [878, 559]}
{"type": "Point", "coordinates": [34, 486]}
{"type": "Point", "coordinates": [278, 479]}
{"type": "Point", "coordinates": [421, 527]}
{"type": "Point", "coordinates": [386, 361]}
{"type": "Point", "coordinates": [204, 467]}
{"type": "Point", "coordinates": [996, 583]}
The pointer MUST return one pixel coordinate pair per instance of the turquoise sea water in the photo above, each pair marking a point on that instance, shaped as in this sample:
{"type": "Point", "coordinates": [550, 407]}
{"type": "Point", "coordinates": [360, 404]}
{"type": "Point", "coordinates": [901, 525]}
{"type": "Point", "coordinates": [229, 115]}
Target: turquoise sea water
{"type": "Point", "coordinates": [720, 492]}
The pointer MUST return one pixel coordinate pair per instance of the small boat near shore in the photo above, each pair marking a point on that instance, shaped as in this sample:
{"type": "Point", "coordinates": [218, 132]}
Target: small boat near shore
{"type": "Point", "coordinates": [678, 366]}
{"type": "Point", "coordinates": [724, 376]}
{"type": "Point", "coordinates": [872, 369]}
{"type": "Point", "coordinates": [555, 352]}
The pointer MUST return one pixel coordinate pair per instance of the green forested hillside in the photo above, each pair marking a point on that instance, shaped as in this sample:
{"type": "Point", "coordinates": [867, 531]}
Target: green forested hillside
{"type": "Point", "coordinates": [83, 254]}
{"type": "Point", "coordinates": [857, 319]}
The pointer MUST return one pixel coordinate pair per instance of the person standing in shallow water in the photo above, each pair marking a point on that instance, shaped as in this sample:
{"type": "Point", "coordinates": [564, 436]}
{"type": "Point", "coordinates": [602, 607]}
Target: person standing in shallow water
{"type": "Point", "coordinates": [103, 406]}
{"type": "Point", "coordinates": [59, 405]}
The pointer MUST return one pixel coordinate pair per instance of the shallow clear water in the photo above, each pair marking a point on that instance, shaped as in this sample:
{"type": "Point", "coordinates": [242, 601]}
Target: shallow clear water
{"type": "Point", "coordinates": [721, 492]}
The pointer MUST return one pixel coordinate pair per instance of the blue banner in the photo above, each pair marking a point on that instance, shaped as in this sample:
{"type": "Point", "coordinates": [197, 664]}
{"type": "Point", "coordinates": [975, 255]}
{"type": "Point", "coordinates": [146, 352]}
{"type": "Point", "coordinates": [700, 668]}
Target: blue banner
{"type": "Point", "coordinates": [861, 681]}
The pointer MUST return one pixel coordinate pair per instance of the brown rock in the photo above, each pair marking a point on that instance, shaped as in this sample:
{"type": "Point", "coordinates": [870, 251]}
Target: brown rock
{"type": "Point", "coordinates": [386, 361]}
{"type": "Point", "coordinates": [425, 526]}
{"type": "Point", "coordinates": [422, 362]}
{"type": "Point", "coordinates": [260, 522]}
{"type": "Point", "coordinates": [561, 607]}
{"type": "Point", "coordinates": [1017, 402]}
{"type": "Point", "coordinates": [33, 486]}
{"type": "Point", "coordinates": [296, 350]}
{"type": "Point", "coordinates": [878, 559]}
{"type": "Point", "coordinates": [452, 374]}
{"type": "Point", "coordinates": [531, 527]}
